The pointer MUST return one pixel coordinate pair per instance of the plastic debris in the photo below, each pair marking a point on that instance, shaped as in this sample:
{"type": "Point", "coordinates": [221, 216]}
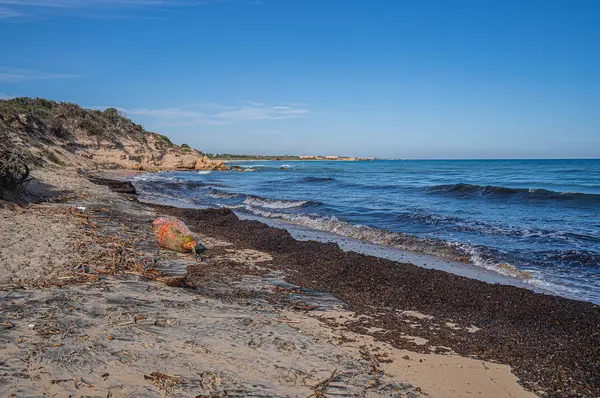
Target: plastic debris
{"type": "Point", "coordinates": [173, 234]}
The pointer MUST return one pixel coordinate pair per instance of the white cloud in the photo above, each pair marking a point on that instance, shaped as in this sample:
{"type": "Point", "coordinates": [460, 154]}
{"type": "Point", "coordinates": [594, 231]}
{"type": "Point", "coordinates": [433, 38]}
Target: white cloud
{"type": "Point", "coordinates": [100, 3]}
{"type": "Point", "coordinates": [214, 114]}
{"type": "Point", "coordinates": [6, 13]}
{"type": "Point", "coordinates": [13, 75]}
{"type": "Point", "coordinates": [260, 112]}
{"type": "Point", "coordinates": [4, 96]}
{"type": "Point", "coordinates": [31, 9]}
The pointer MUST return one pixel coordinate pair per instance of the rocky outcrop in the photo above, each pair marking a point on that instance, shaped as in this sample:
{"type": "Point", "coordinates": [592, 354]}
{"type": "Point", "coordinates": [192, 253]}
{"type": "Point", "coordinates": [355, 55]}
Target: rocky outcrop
{"type": "Point", "coordinates": [206, 164]}
{"type": "Point", "coordinates": [66, 134]}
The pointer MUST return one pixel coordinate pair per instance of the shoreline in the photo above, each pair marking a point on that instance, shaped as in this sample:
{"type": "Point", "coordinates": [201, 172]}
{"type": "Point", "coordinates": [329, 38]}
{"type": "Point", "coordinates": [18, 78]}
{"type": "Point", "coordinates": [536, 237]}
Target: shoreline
{"type": "Point", "coordinates": [513, 325]}
{"type": "Point", "coordinates": [423, 260]}
{"type": "Point", "coordinates": [544, 254]}
{"type": "Point", "coordinates": [435, 327]}
{"type": "Point", "coordinates": [432, 253]}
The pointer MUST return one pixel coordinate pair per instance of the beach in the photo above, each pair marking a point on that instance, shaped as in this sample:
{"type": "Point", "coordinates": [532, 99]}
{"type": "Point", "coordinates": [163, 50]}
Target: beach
{"type": "Point", "coordinates": [526, 222]}
{"type": "Point", "coordinates": [90, 306]}
{"type": "Point", "coordinates": [311, 199]}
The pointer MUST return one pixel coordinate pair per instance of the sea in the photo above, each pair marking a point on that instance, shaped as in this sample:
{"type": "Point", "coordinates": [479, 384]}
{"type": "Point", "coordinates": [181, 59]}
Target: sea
{"type": "Point", "coordinates": [535, 221]}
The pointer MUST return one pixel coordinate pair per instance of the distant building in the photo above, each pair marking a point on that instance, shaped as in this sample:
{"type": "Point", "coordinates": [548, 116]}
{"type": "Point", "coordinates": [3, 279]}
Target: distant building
{"type": "Point", "coordinates": [331, 157]}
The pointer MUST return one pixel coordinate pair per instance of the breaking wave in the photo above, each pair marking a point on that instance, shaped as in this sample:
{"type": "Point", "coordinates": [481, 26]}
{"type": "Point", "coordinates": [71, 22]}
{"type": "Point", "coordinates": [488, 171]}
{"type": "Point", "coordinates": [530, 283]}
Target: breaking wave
{"type": "Point", "coordinates": [275, 203]}
{"type": "Point", "coordinates": [218, 194]}
{"type": "Point", "coordinates": [364, 233]}
{"type": "Point", "coordinates": [470, 190]}
{"type": "Point", "coordinates": [467, 253]}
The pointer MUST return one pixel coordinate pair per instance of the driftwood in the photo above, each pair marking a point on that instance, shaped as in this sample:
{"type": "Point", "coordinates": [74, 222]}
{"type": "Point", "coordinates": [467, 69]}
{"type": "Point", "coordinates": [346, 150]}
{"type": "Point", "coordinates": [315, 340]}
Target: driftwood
{"type": "Point", "coordinates": [322, 386]}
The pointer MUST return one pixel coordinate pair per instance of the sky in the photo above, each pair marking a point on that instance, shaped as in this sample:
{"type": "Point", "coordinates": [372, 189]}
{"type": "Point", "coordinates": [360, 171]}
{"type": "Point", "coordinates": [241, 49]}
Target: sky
{"type": "Point", "coordinates": [382, 78]}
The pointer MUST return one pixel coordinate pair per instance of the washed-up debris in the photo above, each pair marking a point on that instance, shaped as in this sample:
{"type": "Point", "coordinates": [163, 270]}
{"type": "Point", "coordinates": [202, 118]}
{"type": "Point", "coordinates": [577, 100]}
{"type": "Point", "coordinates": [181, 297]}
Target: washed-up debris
{"type": "Point", "coordinates": [174, 281]}
{"type": "Point", "coordinates": [172, 233]}
{"type": "Point", "coordinates": [164, 381]}
{"type": "Point", "coordinates": [366, 354]}
{"type": "Point", "coordinates": [322, 386]}
{"type": "Point", "coordinates": [306, 307]}
{"type": "Point", "coordinates": [285, 291]}
{"type": "Point", "coordinates": [78, 382]}
{"type": "Point", "coordinates": [7, 325]}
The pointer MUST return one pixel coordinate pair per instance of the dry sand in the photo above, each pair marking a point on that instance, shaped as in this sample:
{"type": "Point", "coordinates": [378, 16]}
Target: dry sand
{"type": "Point", "coordinates": [68, 326]}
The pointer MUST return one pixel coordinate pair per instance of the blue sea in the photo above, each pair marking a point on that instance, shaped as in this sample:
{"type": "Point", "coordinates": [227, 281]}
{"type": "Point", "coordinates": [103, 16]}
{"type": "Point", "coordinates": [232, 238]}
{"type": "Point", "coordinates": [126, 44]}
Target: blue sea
{"type": "Point", "coordinates": [534, 220]}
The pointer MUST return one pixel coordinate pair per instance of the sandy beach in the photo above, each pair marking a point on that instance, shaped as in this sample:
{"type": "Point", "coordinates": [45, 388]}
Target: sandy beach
{"type": "Point", "coordinates": [91, 307]}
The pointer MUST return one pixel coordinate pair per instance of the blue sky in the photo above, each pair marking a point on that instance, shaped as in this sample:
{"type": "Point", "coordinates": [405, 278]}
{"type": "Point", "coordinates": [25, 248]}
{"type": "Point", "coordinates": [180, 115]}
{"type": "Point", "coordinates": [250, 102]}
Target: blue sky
{"type": "Point", "coordinates": [410, 79]}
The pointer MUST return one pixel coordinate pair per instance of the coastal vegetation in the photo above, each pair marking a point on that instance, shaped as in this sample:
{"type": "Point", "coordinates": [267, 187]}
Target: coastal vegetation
{"type": "Point", "coordinates": [40, 132]}
{"type": "Point", "coordinates": [14, 167]}
{"type": "Point", "coordinates": [36, 119]}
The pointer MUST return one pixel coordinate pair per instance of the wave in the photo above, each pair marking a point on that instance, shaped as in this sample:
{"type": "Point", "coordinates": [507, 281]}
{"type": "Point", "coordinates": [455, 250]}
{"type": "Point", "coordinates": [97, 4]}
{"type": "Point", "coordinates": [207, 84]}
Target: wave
{"type": "Point", "coordinates": [204, 172]}
{"type": "Point", "coordinates": [316, 179]}
{"type": "Point", "coordinates": [574, 258]}
{"type": "Point", "coordinates": [471, 190]}
{"type": "Point", "coordinates": [450, 223]}
{"type": "Point", "coordinates": [157, 181]}
{"type": "Point", "coordinates": [275, 203]}
{"type": "Point", "coordinates": [365, 233]}
{"type": "Point", "coordinates": [482, 257]}
{"type": "Point", "coordinates": [218, 194]}
{"type": "Point", "coordinates": [479, 256]}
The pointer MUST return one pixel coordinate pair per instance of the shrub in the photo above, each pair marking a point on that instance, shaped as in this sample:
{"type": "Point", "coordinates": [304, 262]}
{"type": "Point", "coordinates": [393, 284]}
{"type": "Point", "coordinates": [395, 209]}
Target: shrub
{"type": "Point", "coordinates": [14, 167]}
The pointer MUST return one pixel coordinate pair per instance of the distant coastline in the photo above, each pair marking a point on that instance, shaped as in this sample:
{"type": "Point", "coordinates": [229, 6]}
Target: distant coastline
{"type": "Point", "coordinates": [231, 157]}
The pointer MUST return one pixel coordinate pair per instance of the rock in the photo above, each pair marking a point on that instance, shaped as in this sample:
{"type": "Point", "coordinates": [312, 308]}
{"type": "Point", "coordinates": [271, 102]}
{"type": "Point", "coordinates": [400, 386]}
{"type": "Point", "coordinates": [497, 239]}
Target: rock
{"type": "Point", "coordinates": [23, 119]}
{"type": "Point", "coordinates": [204, 163]}
{"type": "Point", "coordinates": [282, 168]}
{"type": "Point", "coordinates": [220, 165]}
{"type": "Point", "coordinates": [124, 187]}
{"type": "Point", "coordinates": [236, 168]}
{"type": "Point", "coordinates": [187, 162]}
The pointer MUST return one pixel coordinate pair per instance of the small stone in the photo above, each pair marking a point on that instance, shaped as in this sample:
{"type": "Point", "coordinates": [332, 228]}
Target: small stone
{"type": "Point", "coordinates": [406, 357]}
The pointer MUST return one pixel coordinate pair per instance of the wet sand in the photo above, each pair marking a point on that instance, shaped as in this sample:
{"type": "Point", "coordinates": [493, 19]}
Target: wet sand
{"type": "Point", "coordinates": [262, 315]}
